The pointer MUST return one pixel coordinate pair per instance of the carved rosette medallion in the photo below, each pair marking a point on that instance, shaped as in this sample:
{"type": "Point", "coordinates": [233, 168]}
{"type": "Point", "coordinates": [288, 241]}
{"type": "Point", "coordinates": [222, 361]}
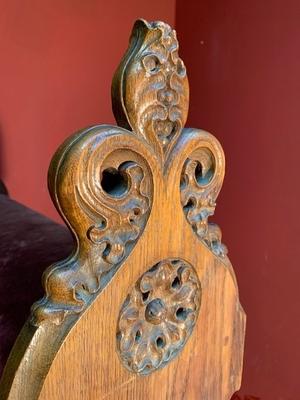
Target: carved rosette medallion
{"type": "Point", "coordinates": [158, 316]}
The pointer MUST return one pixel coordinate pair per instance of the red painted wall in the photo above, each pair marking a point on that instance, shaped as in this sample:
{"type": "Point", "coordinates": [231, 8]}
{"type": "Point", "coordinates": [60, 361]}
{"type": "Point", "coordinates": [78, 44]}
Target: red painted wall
{"type": "Point", "coordinates": [58, 57]}
{"type": "Point", "coordinates": [57, 61]}
{"type": "Point", "coordinates": [243, 59]}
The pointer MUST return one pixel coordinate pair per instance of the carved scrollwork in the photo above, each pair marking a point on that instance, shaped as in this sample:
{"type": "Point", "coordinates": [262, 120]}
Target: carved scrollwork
{"type": "Point", "coordinates": [150, 96]}
{"type": "Point", "coordinates": [105, 195]}
{"type": "Point", "coordinates": [158, 316]}
{"type": "Point", "coordinates": [104, 191]}
{"type": "Point", "coordinates": [150, 87]}
{"type": "Point", "coordinates": [200, 183]}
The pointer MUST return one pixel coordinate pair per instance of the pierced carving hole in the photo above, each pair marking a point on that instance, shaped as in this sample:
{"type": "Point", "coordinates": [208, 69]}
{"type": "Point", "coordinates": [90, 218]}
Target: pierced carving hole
{"type": "Point", "coordinates": [155, 311]}
{"type": "Point", "coordinates": [154, 268]}
{"type": "Point", "coordinates": [138, 336]}
{"type": "Point", "coordinates": [182, 313]}
{"type": "Point", "coordinates": [102, 224]}
{"type": "Point", "coordinates": [114, 183]}
{"type": "Point", "coordinates": [176, 283]}
{"type": "Point", "coordinates": [160, 343]}
{"type": "Point", "coordinates": [148, 368]}
{"type": "Point", "coordinates": [136, 211]}
{"type": "Point", "coordinates": [204, 177]}
{"type": "Point", "coordinates": [145, 296]}
{"type": "Point", "coordinates": [189, 205]}
{"type": "Point", "coordinates": [107, 250]}
{"type": "Point", "coordinates": [181, 71]}
{"type": "Point", "coordinates": [183, 182]}
{"type": "Point", "coordinates": [119, 336]}
{"type": "Point", "coordinates": [174, 129]}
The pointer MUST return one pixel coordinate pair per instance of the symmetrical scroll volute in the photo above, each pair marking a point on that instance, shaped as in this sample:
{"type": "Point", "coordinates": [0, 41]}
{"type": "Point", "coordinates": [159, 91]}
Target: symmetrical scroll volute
{"type": "Point", "coordinates": [101, 182]}
{"type": "Point", "coordinates": [104, 182]}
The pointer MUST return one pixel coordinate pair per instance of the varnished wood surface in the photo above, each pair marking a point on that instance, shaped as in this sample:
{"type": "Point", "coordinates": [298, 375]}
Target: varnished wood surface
{"type": "Point", "coordinates": [208, 368]}
{"type": "Point", "coordinates": [132, 199]}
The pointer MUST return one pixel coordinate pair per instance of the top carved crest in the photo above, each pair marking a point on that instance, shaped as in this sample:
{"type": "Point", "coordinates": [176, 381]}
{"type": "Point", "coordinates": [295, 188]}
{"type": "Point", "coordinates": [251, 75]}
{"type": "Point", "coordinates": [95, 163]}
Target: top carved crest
{"type": "Point", "coordinates": [150, 89]}
{"type": "Point", "coordinates": [101, 179]}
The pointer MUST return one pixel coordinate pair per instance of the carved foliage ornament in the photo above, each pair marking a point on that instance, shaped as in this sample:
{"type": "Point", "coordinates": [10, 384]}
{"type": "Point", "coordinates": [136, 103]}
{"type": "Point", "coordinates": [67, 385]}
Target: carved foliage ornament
{"type": "Point", "coordinates": [158, 316]}
{"type": "Point", "coordinates": [105, 195]}
{"type": "Point", "coordinates": [199, 187]}
{"type": "Point", "coordinates": [101, 179]}
{"type": "Point", "coordinates": [150, 88]}
{"type": "Point", "coordinates": [151, 96]}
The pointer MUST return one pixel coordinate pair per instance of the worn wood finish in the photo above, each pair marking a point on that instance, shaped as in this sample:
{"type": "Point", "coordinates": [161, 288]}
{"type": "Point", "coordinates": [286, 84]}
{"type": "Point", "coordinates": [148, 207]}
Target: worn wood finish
{"type": "Point", "coordinates": [136, 196]}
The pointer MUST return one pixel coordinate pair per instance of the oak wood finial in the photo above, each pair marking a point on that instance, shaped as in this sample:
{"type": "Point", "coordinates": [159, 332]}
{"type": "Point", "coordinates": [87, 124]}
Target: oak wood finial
{"type": "Point", "coordinates": [150, 92]}
{"type": "Point", "coordinates": [147, 304]}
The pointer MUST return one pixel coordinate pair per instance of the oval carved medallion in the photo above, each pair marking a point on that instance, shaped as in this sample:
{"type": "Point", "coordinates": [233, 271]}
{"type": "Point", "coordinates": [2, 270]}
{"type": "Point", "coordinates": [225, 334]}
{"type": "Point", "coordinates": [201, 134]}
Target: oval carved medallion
{"type": "Point", "coordinates": [158, 316]}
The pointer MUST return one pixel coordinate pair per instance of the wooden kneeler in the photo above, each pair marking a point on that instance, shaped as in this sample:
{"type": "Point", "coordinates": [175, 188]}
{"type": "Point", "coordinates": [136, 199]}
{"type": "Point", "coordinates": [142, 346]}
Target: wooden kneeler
{"type": "Point", "coordinates": [147, 306]}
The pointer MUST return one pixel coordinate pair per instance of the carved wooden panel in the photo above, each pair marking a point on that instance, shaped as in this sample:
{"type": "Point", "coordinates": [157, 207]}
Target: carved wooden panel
{"type": "Point", "coordinates": [147, 304]}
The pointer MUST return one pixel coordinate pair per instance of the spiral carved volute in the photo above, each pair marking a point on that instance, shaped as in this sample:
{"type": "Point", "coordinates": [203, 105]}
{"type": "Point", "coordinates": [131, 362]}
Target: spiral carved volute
{"type": "Point", "coordinates": [201, 180]}
{"type": "Point", "coordinates": [107, 207]}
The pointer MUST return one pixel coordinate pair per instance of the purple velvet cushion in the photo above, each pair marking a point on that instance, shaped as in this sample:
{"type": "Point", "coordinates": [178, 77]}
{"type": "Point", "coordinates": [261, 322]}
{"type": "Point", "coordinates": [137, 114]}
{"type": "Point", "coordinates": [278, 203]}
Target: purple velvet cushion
{"type": "Point", "coordinates": [29, 243]}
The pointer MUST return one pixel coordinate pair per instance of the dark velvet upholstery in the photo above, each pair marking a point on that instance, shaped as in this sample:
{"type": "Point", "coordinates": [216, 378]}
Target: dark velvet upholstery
{"type": "Point", "coordinates": [3, 189]}
{"type": "Point", "coordinates": [29, 242]}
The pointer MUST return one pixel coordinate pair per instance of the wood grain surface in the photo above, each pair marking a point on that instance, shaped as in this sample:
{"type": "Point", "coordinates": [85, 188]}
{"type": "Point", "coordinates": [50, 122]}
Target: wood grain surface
{"type": "Point", "coordinates": [135, 196]}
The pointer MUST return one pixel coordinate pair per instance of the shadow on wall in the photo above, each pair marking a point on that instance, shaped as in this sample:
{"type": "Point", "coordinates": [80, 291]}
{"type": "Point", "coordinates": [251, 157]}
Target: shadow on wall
{"type": "Point", "coordinates": [3, 189]}
{"type": "Point", "coordinates": [1, 155]}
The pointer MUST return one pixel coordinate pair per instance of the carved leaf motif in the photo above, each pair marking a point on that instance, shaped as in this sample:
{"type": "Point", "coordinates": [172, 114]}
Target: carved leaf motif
{"type": "Point", "coordinates": [199, 189]}
{"type": "Point", "coordinates": [150, 96]}
{"type": "Point", "coordinates": [150, 88]}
